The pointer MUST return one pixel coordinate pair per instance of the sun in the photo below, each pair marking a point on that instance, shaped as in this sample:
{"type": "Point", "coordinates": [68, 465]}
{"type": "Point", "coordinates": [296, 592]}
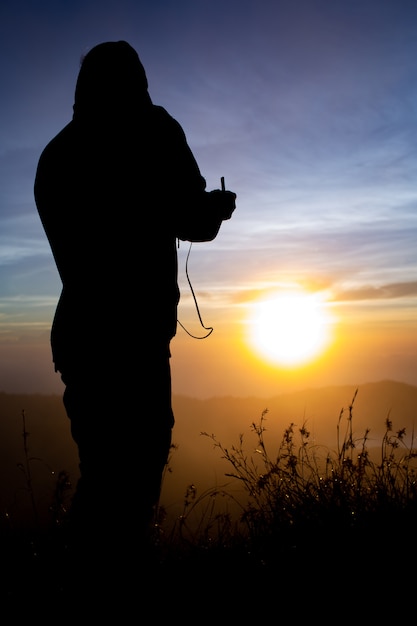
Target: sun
{"type": "Point", "coordinates": [290, 328]}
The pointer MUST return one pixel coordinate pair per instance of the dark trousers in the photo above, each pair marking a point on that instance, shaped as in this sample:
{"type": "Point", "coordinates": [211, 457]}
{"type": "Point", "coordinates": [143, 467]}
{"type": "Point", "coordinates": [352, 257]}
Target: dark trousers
{"type": "Point", "coordinates": [121, 420]}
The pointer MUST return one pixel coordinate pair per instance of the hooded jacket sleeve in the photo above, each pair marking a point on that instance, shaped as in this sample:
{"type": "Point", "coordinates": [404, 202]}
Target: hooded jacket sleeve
{"type": "Point", "coordinates": [197, 213]}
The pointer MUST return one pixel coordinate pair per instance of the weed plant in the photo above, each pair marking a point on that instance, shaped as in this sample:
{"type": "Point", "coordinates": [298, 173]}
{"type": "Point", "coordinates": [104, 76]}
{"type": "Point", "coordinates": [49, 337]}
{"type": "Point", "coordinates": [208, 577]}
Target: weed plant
{"type": "Point", "coordinates": [288, 501]}
{"type": "Point", "coordinates": [297, 497]}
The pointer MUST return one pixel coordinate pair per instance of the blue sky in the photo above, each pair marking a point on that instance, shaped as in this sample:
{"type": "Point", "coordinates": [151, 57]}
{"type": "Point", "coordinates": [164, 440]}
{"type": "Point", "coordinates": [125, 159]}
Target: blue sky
{"type": "Point", "coordinates": [309, 110]}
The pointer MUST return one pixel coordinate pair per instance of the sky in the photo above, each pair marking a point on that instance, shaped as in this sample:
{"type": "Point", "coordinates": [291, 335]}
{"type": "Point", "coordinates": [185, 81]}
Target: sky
{"type": "Point", "coordinates": [308, 108]}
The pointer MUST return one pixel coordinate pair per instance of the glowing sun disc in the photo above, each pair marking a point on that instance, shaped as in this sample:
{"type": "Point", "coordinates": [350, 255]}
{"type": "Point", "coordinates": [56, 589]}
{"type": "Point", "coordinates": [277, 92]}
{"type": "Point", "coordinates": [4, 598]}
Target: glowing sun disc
{"type": "Point", "coordinates": [290, 329]}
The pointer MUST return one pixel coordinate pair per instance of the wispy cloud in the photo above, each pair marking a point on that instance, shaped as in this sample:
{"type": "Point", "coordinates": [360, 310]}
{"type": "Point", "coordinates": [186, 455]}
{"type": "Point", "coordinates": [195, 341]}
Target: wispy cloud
{"type": "Point", "coordinates": [390, 291]}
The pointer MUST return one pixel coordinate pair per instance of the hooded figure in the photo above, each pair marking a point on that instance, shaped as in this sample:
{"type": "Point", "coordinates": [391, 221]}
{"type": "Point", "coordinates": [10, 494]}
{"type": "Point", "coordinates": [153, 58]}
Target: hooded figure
{"type": "Point", "coordinates": [115, 189]}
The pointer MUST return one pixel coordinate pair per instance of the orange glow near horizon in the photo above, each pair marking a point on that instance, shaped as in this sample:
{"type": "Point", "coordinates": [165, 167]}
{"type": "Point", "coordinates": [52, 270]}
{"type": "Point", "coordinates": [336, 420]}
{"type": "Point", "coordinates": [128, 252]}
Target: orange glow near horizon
{"type": "Point", "coordinates": [290, 328]}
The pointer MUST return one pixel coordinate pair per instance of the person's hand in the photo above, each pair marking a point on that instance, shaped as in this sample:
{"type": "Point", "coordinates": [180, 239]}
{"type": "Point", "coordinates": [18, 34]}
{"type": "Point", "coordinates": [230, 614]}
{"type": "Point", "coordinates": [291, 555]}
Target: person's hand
{"type": "Point", "coordinates": [224, 202]}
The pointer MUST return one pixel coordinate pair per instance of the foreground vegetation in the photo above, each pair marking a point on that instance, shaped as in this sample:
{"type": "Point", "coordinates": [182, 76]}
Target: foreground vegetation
{"type": "Point", "coordinates": [290, 506]}
{"type": "Point", "coordinates": [295, 494]}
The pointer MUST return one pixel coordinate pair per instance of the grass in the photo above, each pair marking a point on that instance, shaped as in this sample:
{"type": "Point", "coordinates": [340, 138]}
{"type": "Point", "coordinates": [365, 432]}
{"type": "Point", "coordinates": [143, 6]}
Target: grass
{"type": "Point", "coordinates": [291, 510]}
{"type": "Point", "coordinates": [301, 496]}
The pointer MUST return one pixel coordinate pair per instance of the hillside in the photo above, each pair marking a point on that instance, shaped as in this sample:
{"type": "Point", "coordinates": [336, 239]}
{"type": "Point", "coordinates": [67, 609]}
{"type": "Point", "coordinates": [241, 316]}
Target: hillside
{"type": "Point", "coordinates": [195, 460]}
{"type": "Point", "coordinates": [318, 408]}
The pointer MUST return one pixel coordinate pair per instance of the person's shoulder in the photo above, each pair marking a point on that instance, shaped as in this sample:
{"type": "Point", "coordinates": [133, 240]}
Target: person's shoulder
{"type": "Point", "coordinates": [160, 113]}
{"type": "Point", "coordinates": [61, 139]}
{"type": "Point", "coordinates": [64, 133]}
{"type": "Point", "coordinates": [166, 120]}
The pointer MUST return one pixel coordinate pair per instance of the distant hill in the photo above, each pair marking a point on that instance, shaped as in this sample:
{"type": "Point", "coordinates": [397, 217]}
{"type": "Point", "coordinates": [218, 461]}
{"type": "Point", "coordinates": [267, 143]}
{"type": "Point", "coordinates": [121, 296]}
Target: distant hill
{"type": "Point", "coordinates": [318, 408]}
{"type": "Point", "coordinates": [196, 460]}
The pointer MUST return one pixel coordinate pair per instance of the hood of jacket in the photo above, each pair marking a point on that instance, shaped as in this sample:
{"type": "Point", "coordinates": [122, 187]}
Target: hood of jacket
{"type": "Point", "coordinates": [111, 83]}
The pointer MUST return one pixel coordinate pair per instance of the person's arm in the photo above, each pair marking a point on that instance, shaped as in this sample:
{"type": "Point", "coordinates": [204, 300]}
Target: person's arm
{"type": "Point", "coordinates": [197, 214]}
{"type": "Point", "coordinates": [214, 207]}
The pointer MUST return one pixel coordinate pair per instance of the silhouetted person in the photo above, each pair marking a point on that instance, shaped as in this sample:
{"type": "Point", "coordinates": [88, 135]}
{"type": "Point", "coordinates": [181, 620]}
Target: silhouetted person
{"type": "Point", "coordinates": [115, 190]}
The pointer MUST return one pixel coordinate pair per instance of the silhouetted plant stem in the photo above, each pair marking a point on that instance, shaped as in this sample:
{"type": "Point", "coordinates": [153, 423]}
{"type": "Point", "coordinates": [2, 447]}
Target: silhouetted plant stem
{"type": "Point", "coordinates": [26, 469]}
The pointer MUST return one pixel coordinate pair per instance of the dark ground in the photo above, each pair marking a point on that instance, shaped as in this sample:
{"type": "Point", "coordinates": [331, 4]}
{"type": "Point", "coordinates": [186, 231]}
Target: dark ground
{"type": "Point", "coordinates": [47, 578]}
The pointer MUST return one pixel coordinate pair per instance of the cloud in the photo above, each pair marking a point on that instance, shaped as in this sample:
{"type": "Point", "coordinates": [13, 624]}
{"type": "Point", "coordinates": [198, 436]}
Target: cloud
{"type": "Point", "coordinates": [389, 291]}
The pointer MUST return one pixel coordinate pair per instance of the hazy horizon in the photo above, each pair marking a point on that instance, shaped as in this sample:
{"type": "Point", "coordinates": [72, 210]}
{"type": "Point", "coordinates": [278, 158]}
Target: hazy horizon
{"type": "Point", "coordinates": [196, 460]}
{"type": "Point", "coordinates": [218, 368]}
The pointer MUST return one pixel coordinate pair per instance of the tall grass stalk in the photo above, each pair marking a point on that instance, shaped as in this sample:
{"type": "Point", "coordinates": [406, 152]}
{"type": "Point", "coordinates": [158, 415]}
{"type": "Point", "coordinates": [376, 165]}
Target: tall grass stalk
{"type": "Point", "coordinates": [295, 493]}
